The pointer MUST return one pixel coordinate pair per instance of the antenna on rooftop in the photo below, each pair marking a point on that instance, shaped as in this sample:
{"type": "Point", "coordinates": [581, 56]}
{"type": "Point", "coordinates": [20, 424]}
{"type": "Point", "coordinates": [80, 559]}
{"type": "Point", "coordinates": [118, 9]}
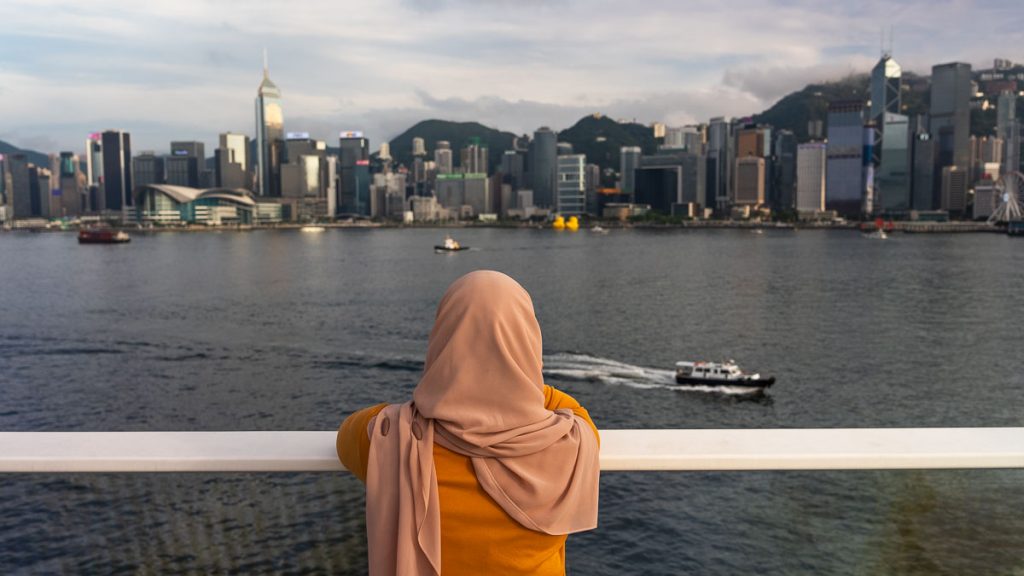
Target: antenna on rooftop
{"type": "Point", "coordinates": [266, 67]}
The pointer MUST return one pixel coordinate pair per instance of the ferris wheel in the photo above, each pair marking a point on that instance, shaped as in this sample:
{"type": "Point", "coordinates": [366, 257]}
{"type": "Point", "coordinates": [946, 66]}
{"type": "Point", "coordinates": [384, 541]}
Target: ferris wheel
{"type": "Point", "coordinates": [1010, 196]}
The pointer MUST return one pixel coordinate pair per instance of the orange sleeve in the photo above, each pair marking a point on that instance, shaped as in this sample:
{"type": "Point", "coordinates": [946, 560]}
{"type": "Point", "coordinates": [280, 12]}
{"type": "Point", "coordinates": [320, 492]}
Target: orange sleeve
{"type": "Point", "coordinates": [353, 444]}
{"type": "Point", "coordinates": [555, 399]}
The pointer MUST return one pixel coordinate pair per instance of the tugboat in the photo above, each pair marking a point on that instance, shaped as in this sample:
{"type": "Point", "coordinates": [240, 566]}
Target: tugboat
{"type": "Point", "coordinates": [102, 236]}
{"type": "Point", "coordinates": [450, 245]}
{"type": "Point", "coordinates": [718, 374]}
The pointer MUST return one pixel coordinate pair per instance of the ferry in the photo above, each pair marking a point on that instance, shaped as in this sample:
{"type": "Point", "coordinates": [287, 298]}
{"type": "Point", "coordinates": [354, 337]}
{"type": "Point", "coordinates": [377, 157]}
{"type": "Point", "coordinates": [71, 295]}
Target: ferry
{"type": "Point", "coordinates": [102, 236]}
{"type": "Point", "coordinates": [312, 228]}
{"type": "Point", "coordinates": [718, 374]}
{"type": "Point", "coordinates": [450, 245]}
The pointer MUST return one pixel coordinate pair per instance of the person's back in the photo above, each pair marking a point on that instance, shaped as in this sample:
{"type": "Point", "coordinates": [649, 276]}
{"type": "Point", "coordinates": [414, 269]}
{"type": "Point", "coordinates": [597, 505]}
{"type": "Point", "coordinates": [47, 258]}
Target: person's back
{"type": "Point", "coordinates": [488, 469]}
{"type": "Point", "coordinates": [477, 535]}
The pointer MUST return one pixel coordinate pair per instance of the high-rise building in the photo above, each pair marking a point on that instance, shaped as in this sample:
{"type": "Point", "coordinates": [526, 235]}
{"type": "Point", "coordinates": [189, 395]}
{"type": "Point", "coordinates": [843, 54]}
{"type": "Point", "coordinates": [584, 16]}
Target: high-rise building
{"type": "Point", "coordinates": [719, 151]}
{"type": "Point", "coordinates": [1008, 129]}
{"type": "Point", "coordinates": [670, 178]}
{"type": "Point", "coordinates": [186, 166]}
{"type": "Point", "coordinates": [149, 169]}
{"type": "Point", "coordinates": [354, 171]}
{"type": "Point", "coordinates": [782, 192]}
{"type": "Point", "coordinates": [474, 157]}
{"type": "Point", "coordinates": [950, 122]}
{"type": "Point", "coordinates": [810, 176]}
{"type": "Point", "coordinates": [23, 195]}
{"type": "Point", "coordinates": [893, 183]}
{"type": "Point", "coordinates": [94, 160]}
{"type": "Point", "coordinates": [924, 181]}
{"type": "Point", "coordinates": [71, 183]}
{"type": "Point", "coordinates": [886, 83]}
{"type": "Point", "coordinates": [513, 166]}
{"type": "Point", "coordinates": [750, 171]}
{"type": "Point", "coordinates": [543, 166]}
{"type": "Point", "coordinates": [629, 161]}
{"type": "Point", "coordinates": [591, 182]}
{"type": "Point", "coordinates": [572, 193]}
{"type": "Point", "coordinates": [233, 162]}
{"type": "Point", "coordinates": [118, 183]}
{"type": "Point", "coordinates": [269, 136]}
{"type": "Point", "coordinates": [443, 157]}
{"type": "Point", "coordinates": [954, 190]}
{"type": "Point", "coordinates": [844, 173]}
{"type": "Point", "coordinates": [419, 147]}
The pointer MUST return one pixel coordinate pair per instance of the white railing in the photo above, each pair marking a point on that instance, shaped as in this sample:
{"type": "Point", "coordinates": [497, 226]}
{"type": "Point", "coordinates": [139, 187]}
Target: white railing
{"type": "Point", "coordinates": [773, 449]}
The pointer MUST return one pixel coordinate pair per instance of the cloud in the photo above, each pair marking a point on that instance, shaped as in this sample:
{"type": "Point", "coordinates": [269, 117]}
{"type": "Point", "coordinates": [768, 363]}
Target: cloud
{"type": "Point", "coordinates": [167, 69]}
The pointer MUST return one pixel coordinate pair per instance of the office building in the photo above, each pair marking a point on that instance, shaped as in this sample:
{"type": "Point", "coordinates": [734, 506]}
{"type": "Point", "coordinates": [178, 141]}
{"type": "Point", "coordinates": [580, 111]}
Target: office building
{"type": "Point", "coordinates": [782, 191]}
{"type": "Point", "coordinates": [670, 179]}
{"type": "Point", "coordinates": [750, 178]}
{"type": "Point", "coordinates": [467, 194]}
{"type": "Point", "coordinates": [118, 183]}
{"type": "Point", "coordinates": [572, 192]}
{"type": "Point", "coordinates": [149, 169]}
{"type": "Point", "coordinates": [893, 182]}
{"type": "Point", "coordinates": [591, 183]}
{"type": "Point", "coordinates": [353, 174]}
{"type": "Point", "coordinates": [543, 166]}
{"type": "Point", "coordinates": [629, 161]}
{"type": "Point", "coordinates": [443, 157]}
{"type": "Point", "coordinates": [23, 195]}
{"type": "Point", "coordinates": [950, 121]}
{"type": "Point", "coordinates": [954, 190]}
{"type": "Point", "coordinates": [843, 176]}
{"type": "Point", "coordinates": [269, 137]}
{"type": "Point", "coordinates": [474, 157]}
{"type": "Point", "coordinates": [924, 183]}
{"type": "Point", "coordinates": [419, 147]}
{"type": "Point", "coordinates": [513, 167]}
{"type": "Point", "coordinates": [886, 84]}
{"type": "Point", "coordinates": [719, 151]}
{"type": "Point", "coordinates": [71, 183]}
{"type": "Point", "coordinates": [232, 162]}
{"type": "Point", "coordinates": [810, 176]}
{"type": "Point", "coordinates": [94, 160]}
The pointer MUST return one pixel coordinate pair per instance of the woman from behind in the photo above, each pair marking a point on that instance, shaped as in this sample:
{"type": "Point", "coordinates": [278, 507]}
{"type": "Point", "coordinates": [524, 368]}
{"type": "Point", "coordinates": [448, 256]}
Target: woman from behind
{"type": "Point", "coordinates": [486, 469]}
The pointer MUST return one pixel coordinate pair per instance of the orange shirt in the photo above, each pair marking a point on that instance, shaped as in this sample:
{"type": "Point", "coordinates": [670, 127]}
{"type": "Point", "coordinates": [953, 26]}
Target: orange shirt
{"type": "Point", "coordinates": [477, 536]}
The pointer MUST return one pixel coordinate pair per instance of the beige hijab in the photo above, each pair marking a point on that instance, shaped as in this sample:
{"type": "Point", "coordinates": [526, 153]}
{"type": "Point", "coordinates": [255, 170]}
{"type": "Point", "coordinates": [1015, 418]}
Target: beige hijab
{"type": "Point", "coordinates": [481, 395]}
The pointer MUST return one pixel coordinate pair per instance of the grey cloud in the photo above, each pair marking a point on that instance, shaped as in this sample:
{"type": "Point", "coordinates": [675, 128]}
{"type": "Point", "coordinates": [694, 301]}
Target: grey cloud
{"type": "Point", "coordinates": [768, 84]}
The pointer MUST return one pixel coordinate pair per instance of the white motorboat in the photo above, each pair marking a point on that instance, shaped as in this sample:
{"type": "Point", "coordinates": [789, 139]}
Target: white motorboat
{"type": "Point", "coordinates": [718, 374]}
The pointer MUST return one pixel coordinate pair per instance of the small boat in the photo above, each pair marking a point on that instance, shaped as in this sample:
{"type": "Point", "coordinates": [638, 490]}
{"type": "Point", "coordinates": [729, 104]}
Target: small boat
{"type": "Point", "coordinates": [757, 231]}
{"type": "Point", "coordinates": [597, 229]}
{"type": "Point", "coordinates": [878, 234]}
{"type": "Point", "coordinates": [312, 229]}
{"type": "Point", "coordinates": [450, 245]}
{"type": "Point", "coordinates": [717, 374]}
{"type": "Point", "coordinates": [102, 236]}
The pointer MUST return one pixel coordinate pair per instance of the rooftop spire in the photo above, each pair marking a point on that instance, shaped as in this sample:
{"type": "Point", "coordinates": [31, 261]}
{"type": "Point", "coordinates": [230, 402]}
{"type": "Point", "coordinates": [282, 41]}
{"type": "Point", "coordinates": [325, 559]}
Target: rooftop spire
{"type": "Point", "coordinates": [266, 67]}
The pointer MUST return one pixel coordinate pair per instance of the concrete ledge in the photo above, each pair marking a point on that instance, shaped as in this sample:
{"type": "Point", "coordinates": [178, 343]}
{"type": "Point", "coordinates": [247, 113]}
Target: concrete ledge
{"type": "Point", "coordinates": [621, 450]}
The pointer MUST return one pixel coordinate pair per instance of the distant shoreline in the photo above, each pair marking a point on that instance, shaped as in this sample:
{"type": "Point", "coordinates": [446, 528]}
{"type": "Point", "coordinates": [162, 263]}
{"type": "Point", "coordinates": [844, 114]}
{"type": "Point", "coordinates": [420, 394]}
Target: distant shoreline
{"type": "Point", "coordinates": [907, 227]}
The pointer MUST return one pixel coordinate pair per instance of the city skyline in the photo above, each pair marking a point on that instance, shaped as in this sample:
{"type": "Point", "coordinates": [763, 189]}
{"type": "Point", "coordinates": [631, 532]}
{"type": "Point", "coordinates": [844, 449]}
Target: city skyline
{"type": "Point", "coordinates": [195, 67]}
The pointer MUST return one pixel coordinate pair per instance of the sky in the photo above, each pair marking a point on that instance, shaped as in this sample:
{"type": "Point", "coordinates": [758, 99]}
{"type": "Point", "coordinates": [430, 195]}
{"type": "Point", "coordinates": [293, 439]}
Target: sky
{"type": "Point", "coordinates": [188, 69]}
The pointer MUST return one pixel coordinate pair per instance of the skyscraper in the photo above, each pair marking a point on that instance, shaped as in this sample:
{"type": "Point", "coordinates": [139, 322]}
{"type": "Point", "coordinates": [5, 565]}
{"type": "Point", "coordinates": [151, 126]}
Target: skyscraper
{"type": "Point", "coordinates": [843, 177]}
{"type": "Point", "coordinates": [148, 168]}
{"type": "Point", "coordinates": [719, 165]}
{"type": "Point", "coordinates": [893, 190]}
{"type": "Point", "coordinates": [629, 161]}
{"type": "Point", "coordinates": [186, 165]}
{"type": "Point", "coordinates": [886, 82]}
{"type": "Point", "coordinates": [474, 157]}
{"type": "Point", "coordinates": [116, 192]}
{"type": "Point", "coordinates": [543, 167]}
{"type": "Point", "coordinates": [782, 193]}
{"type": "Point", "coordinates": [443, 157]}
{"type": "Point", "coordinates": [750, 179]}
{"type": "Point", "coordinates": [1008, 128]}
{"type": "Point", "coordinates": [418, 147]}
{"type": "Point", "coordinates": [572, 196]}
{"type": "Point", "coordinates": [269, 136]}
{"type": "Point", "coordinates": [354, 170]}
{"type": "Point", "coordinates": [951, 117]}
{"type": "Point", "coordinates": [71, 183]}
{"type": "Point", "coordinates": [810, 177]}
{"type": "Point", "coordinates": [233, 162]}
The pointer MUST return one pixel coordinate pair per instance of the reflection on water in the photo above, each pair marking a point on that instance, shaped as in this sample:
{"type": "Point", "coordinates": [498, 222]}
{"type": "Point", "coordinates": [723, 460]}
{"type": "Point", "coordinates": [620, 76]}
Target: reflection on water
{"type": "Point", "coordinates": [284, 331]}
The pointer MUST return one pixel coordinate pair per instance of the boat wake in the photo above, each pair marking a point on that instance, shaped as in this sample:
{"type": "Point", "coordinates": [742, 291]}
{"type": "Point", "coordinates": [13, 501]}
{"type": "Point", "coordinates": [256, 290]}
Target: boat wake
{"type": "Point", "coordinates": [585, 368]}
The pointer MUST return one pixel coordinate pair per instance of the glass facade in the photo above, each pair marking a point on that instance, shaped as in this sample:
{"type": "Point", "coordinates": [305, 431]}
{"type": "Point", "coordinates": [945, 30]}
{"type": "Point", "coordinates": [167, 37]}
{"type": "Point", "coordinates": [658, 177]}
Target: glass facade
{"type": "Point", "coordinates": [572, 196]}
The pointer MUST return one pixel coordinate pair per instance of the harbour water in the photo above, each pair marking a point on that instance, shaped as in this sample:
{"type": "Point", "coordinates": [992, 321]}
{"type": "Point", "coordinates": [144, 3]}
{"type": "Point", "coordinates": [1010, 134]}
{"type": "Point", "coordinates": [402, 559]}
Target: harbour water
{"type": "Point", "coordinates": [270, 330]}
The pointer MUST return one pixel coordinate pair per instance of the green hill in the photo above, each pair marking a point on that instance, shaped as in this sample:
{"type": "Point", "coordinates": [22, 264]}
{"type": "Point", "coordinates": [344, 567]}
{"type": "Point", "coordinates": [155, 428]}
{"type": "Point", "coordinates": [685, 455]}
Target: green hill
{"type": "Point", "coordinates": [601, 138]}
{"type": "Point", "coordinates": [37, 158]}
{"type": "Point", "coordinates": [457, 133]}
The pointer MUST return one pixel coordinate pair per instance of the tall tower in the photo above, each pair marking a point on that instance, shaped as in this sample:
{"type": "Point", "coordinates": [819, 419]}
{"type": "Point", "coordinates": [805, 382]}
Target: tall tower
{"type": "Point", "coordinates": [116, 191]}
{"type": "Point", "coordinates": [269, 135]}
{"type": "Point", "coordinates": [543, 166]}
{"type": "Point", "coordinates": [886, 81]}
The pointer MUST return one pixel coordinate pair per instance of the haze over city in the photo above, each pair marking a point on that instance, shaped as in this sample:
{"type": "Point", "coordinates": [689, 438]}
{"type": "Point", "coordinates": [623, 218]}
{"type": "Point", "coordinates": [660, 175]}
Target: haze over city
{"type": "Point", "coordinates": [170, 70]}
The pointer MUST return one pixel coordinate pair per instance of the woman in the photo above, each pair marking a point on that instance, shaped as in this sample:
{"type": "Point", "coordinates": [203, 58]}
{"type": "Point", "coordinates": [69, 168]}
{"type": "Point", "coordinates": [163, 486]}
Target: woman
{"type": "Point", "coordinates": [486, 470]}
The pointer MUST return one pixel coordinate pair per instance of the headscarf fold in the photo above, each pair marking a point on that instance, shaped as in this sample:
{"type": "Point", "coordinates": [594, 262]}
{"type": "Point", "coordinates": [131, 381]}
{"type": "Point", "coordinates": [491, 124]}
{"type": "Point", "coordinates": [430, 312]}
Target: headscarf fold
{"type": "Point", "coordinates": [482, 396]}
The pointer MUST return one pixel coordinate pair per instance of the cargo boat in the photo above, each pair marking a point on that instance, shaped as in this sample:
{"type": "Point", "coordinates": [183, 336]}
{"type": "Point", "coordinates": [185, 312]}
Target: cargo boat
{"type": "Point", "coordinates": [103, 236]}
